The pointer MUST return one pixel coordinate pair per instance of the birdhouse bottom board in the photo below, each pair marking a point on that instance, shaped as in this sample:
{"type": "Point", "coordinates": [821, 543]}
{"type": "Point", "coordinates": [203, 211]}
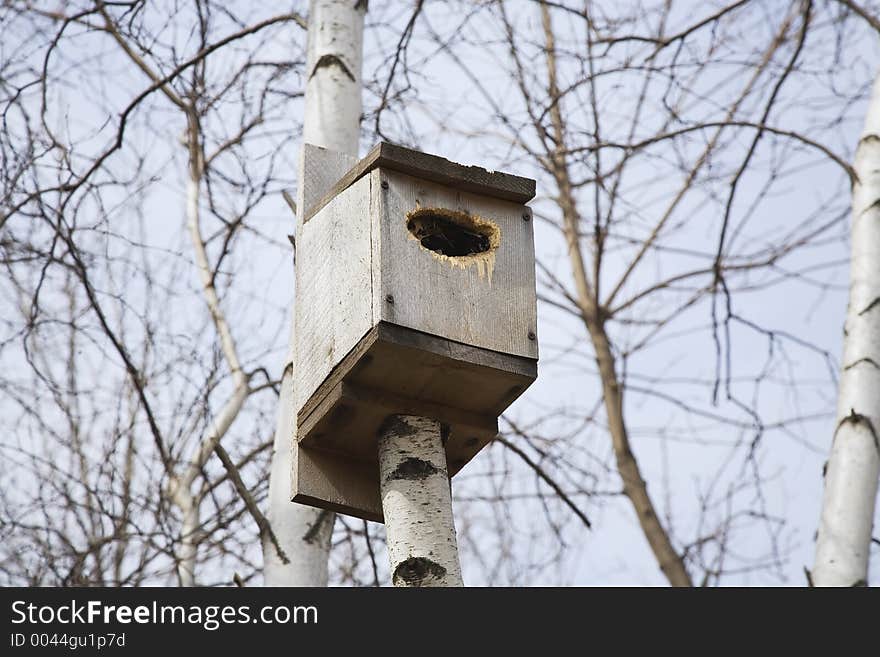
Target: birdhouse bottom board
{"type": "Point", "coordinates": [337, 462]}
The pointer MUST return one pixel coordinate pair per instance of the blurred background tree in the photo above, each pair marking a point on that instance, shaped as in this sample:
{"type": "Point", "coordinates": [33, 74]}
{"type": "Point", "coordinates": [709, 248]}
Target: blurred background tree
{"type": "Point", "coordinates": [693, 166]}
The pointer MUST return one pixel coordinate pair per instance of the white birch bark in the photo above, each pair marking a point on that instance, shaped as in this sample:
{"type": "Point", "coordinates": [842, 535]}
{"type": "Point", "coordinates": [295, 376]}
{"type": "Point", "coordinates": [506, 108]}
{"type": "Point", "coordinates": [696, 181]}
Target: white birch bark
{"type": "Point", "coordinates": [844, 537]}
{"type": "Point", "coordinates": [332, 120]}
{"type": "Point", "coordinates": [186, 550]}
{"type": "Point", "coordinates": [417, 503]}
{"type": "Point", "coordinates": [333, 91]}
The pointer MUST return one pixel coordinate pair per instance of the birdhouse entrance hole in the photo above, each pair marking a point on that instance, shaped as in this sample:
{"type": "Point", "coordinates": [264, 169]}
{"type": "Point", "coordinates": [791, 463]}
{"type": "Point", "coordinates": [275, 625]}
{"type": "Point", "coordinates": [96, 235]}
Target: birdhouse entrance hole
{"type": "Point", "coordinates": [452, 233]}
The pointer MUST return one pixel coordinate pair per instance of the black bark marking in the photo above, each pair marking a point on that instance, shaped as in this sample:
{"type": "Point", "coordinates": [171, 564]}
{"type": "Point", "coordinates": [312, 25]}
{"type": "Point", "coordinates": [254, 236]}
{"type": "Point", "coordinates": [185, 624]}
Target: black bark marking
{"type": "Point", "coordinates": [417, 571]}
{"type": "Point", "coordinates": [332, 60]}
{"type": "Point", "coordinates": [414, 469]}
{"type": "Point", "coordinates": [858, 418]}
{"type": "Point", "coordinates": [810, 583]}
{"type": "Point", "coordinates": [444, 433]}
{"type": "Point", "coordinates": [394, 425]}
{"type": "Point", "coordinates": [312, 534]}
{"type": "Point", "coordinates": [862, 360]}
{"type": "Point", "coordinates": [874, 304]}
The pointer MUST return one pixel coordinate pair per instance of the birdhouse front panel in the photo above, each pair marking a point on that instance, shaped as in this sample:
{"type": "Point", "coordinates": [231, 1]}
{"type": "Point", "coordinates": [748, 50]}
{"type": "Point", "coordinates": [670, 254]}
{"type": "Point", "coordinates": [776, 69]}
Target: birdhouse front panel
{"type": "Point", "coordinates": [456, 264]}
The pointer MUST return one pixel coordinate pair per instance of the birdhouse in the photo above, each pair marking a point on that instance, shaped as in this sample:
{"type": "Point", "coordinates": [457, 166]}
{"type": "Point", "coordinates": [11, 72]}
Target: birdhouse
{"type": "Point", "coordinates": [415, 294]}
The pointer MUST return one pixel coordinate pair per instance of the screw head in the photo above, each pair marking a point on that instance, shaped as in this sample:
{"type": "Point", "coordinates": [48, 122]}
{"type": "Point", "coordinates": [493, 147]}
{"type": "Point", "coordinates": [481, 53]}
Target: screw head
{"type": "Point", "coordinates": [384, 184]}
{"type": "Point", "coordinates": [532, 335]}
{"type": "Point", "coordinates": [527, 216]}
{"type": "Point", "coordinates": [389, 298]}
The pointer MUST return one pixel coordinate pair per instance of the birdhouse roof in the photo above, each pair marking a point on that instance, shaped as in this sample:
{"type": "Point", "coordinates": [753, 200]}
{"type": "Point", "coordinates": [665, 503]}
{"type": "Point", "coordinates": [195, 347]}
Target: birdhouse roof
{"type": "Point", "coordinates": [473, 179]}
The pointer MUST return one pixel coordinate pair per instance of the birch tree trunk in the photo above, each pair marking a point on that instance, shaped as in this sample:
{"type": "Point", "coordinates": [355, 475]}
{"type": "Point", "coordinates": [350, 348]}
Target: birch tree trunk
{"type": "Point", "coordinates": [844, 538]}
{"type": "Point", "coordinates": [332, 120]}
{"type": "Point", "coordinates": [417, 503]}
{"type": "Point", "coordinates": [186, 550]}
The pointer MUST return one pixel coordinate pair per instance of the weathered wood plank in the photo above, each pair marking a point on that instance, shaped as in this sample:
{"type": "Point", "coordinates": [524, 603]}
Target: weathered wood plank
{"type": "Point", "coordinates": [487, 302]}
{"type": "Point", "coordinates": [347, 420]}
{"type": "Point", "coordinates": [357, 357]}
{"type": "Point", "coordinates": [323, 169]}
{"type": "Point", "coordinates": [337, 465]}
{"type": "Point", "coordinates": [333, 307]}
{"type": "Point", "coordinates": [472, 179]}
{"type": "Point", "coordinates": [396, 370]}
{"type": "Point", "coordinates": [331, 481]}
{"type": "Point", "coordinates": [407, 337]}
{"type": "Point", "coordinates": [422, 366]}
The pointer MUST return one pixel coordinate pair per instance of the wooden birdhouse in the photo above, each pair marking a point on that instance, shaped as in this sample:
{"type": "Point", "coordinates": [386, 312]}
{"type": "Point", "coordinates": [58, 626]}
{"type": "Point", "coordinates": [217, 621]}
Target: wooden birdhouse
{"type": "Point", "coordinates": [415, 294]}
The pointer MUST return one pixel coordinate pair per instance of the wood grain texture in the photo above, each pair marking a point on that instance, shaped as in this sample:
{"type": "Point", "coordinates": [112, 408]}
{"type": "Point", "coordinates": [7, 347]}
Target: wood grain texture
{"type": "Point", "coordinates": [347, 420]}
{"type": "Point", "coordinates": [396, 370]}
{"type": "Point", "coordinates": [477, 180]}
{"type": "Point", "coordinates": [323, 169]}
{"type": "Point", "coordinates": [418, 366]}
{"type": "Point", "coordinates": [337, 466]}
{"type": "Point", "coordinates": [494, 310]}
{"type": "Point", "coordinates": [330, 481]}
{"type": "Point", "coordinates": [333, 287]}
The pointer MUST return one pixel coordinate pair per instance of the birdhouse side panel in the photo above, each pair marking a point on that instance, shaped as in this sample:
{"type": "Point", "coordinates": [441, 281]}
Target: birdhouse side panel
{"type": "Point", "coordinates": [456, 265]}
{"type": "Point", "coordinates": [321, 169]}
{"type": "Point", "coordinates": [333, 308]}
